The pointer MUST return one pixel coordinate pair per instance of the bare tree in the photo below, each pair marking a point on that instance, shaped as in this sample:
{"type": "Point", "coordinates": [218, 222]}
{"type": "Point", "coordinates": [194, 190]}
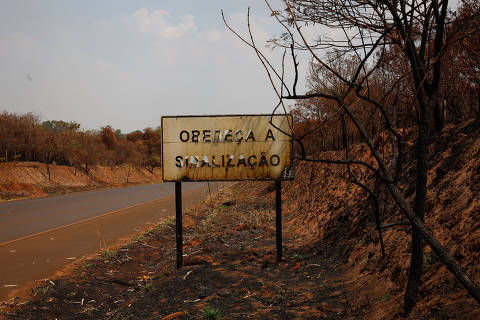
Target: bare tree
{"type": "Point", "coordinates": [370, 29]}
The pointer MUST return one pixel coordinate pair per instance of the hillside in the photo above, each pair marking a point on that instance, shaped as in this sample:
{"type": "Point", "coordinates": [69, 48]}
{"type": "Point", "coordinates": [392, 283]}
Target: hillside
{"type": "Point", "coordinates": [31, 179]}
{"type": "Point", "coordinates": [330, 211]}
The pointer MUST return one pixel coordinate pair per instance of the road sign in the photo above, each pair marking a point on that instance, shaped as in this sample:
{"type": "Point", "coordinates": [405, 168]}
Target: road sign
{"type": "Point", "coordinates": [216, 148]}
{"type": "Point", "coordinates": [240, 147]}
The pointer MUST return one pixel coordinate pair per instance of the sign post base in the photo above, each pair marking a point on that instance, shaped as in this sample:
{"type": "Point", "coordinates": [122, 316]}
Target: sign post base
{"type": "Point", "coordinates": [278, 216]}
{"type": "Point", "coordinates": [178, 223]}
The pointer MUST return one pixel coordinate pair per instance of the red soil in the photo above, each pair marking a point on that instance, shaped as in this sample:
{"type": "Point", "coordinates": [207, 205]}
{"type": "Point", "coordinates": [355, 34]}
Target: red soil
{"type": "Point", "coordinates": [30, 179]}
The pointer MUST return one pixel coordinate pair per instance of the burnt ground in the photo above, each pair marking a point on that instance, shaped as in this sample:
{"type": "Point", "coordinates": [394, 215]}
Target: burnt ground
{"type": "Point", "coordinates": [229, 247]}
{"type": "Point", "coordinates": [333, 267]}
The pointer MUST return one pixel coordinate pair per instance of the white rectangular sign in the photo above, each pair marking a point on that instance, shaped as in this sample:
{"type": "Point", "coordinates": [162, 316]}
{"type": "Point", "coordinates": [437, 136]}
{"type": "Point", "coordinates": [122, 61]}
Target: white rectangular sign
{"type": "Point", "coordinates": [240, 147]}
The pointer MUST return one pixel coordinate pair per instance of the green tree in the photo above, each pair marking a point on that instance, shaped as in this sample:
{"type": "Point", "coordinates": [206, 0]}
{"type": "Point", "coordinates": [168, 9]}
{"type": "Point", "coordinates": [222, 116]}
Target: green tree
{"type": "Point", "coordinates": [60, 125]}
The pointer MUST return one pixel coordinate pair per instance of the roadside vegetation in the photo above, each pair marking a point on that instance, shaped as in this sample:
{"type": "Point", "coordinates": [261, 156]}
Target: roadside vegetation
{"type": "Point", "coordinates": [23, 137]}
{"type": "Point", "coordinates": [56, 157]}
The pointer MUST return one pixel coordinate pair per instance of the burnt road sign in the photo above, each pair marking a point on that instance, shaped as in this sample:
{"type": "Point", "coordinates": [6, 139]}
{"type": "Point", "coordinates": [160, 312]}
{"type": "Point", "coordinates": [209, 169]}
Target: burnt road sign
{"type": "Point", "coordinates": [222, 148]}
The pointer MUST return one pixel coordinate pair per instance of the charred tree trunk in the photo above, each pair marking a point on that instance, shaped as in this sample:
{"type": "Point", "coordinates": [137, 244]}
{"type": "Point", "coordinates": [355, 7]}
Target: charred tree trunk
{"type": "Point", "coordinates": [443, 255]}
{"type": "Point", "coordinates": [416, 259]}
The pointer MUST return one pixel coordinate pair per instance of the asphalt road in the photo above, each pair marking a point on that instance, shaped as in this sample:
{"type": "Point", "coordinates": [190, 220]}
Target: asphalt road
{"type": "Point", "coordinates": [26, 217]}
{"type": "Point", "coordinates": [38, 237]}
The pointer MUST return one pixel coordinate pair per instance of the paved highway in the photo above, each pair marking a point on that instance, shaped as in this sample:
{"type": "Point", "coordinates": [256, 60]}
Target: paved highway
{"type": "Point", "coordinates": [38, 237]}
{"type": "Point", "coordinates": [26, 217]}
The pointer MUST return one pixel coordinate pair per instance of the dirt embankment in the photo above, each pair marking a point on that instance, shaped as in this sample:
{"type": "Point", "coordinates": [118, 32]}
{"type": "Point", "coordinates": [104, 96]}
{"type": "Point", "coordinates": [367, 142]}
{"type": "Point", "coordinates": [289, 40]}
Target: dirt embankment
{"type": "Point", "coordinates": [338, 214]}
{"type": "Point", "coordinates": [33, 179]}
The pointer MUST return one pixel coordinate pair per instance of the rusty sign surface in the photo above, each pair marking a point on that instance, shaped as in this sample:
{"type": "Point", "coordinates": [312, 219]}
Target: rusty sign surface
{"type": "Point", "coordinates": [240, 147]}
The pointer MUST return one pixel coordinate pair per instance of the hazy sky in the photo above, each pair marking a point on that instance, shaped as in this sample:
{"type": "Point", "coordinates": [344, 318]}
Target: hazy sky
{"type": "Point", "coordinates": [126, 63]}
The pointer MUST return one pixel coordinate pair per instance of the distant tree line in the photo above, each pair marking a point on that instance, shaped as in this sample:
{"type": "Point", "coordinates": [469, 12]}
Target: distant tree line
{"type": "Point", "coordinates": [23, 137]}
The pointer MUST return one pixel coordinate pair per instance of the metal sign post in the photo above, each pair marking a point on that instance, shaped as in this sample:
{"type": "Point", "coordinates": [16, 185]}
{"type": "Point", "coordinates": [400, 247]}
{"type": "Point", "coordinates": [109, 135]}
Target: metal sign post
{"type": "Point", "coordinates": [278, 220]}
{"type": "Point", "coordinates": [178, 223]}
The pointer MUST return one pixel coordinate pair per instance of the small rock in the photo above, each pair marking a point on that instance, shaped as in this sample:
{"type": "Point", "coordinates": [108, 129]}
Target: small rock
{"type": "Point", "coordinates": [228, 203]}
